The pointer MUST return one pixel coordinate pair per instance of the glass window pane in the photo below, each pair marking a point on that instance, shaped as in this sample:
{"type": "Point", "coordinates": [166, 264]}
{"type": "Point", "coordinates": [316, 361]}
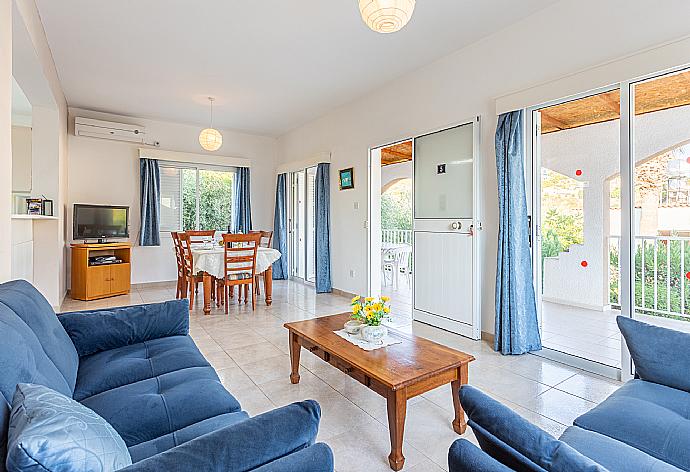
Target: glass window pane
{"type": "Point", "coordinates": [188, 199]}
{"type": "Point", "coordinates": [661, 221]}
{"type": "Point", "coordinates": [580, 224]}
{"type": "Point", "coordinates": [215, 199]}
{"type": "Point", "coordinates": [443, 173]}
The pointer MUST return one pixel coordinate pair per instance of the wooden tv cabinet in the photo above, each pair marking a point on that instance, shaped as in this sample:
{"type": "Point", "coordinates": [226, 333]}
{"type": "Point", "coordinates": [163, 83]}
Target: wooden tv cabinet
{"type": "Point", "coordinates": [91, 282]}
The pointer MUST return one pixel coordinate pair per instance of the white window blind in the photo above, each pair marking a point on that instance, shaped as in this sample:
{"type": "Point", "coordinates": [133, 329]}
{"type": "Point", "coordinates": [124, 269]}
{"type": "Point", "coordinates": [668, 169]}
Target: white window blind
{"type": "Point", "coordinates": [171, 198]}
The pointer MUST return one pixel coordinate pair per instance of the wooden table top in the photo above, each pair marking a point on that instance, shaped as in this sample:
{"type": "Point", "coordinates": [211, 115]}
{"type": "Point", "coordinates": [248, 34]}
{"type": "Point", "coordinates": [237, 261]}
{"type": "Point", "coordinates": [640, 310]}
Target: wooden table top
{"type": "Point", "coordinates": [396, 366]}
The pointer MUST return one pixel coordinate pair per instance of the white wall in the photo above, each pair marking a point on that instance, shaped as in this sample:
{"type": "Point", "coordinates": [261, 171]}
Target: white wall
{"type": "Point", "coordinates": [390, 174]}
{"type": "Point", "coordinates": [549, 45]}
{"type": "Point", "coordinates": [25, 54]}
{"type": "Point", "coordinates": [107, 172]}
{"type": "Point", "coordinates": [5, 138]}
{"type": "Point", "coordinates": [21, 158]}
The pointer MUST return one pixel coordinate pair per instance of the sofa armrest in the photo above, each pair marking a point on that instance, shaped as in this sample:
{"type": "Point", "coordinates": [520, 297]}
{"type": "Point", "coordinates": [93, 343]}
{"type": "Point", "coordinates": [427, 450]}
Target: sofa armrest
{"type": "Point", "coordinates": [316, 458]}
{"type": "Point", "coordinates": [243, 446]}
{"type": "Point", "coordinates": [101, 330]}
{"type": "Point", "coordinates": [514, 441]}
{"type": "Point", "coordinates": [661, 355]}
{"type": "Point", "coordinates": [464, 456]}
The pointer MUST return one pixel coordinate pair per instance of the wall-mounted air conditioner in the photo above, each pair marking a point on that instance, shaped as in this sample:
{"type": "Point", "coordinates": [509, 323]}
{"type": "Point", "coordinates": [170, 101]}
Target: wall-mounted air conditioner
{"type": "Point", "coordinates": [109, 130]}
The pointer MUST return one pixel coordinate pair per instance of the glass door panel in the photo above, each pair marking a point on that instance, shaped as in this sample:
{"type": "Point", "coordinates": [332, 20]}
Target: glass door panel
{"type": "Point", "coordinates": [578, 213]}
{"type": "Point", "coordinates": [310, 230]}
{"type": "Point", "coordinates": [302, 232]}
{"type": "Point", "coordinates": [661, 199]}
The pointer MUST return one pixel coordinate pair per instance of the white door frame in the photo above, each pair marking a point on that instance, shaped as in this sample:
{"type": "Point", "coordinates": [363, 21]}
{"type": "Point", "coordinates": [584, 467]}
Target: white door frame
{"type": "Point", "coordinates": [373, 222]}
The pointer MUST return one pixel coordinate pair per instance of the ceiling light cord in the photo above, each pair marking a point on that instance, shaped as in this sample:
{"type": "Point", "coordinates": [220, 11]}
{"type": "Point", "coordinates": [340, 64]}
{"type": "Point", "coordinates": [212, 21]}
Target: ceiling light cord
{"type": "Point", "coordinates": [211, 99]}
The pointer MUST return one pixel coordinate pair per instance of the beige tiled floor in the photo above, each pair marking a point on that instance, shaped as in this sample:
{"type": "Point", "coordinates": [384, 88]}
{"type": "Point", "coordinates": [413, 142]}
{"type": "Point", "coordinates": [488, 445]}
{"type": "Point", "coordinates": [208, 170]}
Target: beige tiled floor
{"type": "Point", "coordinates": [250, 351]}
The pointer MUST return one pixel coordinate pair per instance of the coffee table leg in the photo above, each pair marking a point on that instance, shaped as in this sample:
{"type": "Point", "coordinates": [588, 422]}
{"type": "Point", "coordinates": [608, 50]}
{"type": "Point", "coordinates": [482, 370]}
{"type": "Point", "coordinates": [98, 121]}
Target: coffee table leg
{"type": "Point", "coordinates": [397, 409]}
{"type": "Point", "coordinates": [459, 423]}
{"type": "Point", "coordinates": [295, 349]}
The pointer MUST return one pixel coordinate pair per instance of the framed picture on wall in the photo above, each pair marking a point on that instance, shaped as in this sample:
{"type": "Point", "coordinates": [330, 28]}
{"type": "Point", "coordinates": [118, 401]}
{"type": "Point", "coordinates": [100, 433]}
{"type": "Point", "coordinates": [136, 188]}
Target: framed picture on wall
{"type": "Point", "coordinates": [347, 178]}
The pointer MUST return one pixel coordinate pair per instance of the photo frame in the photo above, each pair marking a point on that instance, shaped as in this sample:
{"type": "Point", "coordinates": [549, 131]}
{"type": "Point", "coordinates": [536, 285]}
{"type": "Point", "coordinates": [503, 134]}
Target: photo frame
{"type": "Point", "coordinates": [347, 178]}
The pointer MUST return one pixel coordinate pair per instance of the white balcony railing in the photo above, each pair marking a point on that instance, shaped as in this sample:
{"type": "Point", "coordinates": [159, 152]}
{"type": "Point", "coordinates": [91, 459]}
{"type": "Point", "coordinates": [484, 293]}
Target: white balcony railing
{"type": "Point", "coordinates": [396, 236]}
{"type": "Point", "coordinates": [661, 275]}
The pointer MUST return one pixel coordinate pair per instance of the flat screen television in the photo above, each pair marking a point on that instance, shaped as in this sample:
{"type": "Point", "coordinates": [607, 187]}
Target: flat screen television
{"type": "Point", "coordinates": [100, 221]}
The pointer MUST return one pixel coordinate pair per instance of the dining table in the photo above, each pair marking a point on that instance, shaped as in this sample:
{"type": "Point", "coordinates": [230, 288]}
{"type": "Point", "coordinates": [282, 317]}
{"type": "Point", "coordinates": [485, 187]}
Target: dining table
{"type": "Point", "coordinates": [210, 262]}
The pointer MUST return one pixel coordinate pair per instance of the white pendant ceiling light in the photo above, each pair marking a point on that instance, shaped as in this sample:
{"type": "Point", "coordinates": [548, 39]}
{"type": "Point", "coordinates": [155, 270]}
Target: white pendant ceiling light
{"type": "Point", "coordinates": [210, 138]}
{"type": "Point", "coordinates": [386, 16]}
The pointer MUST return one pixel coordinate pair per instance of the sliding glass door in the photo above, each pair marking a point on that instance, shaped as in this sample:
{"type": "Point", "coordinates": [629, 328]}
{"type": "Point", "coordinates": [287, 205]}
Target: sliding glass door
{"type": "Point", "coordinates": [661, 198]}
{"type": "Point", "coordinates": [611, 216]}
{"type": "Point", "coordinates": [577, 166]}
{"type": "Point", "coordinates": [302, 224]}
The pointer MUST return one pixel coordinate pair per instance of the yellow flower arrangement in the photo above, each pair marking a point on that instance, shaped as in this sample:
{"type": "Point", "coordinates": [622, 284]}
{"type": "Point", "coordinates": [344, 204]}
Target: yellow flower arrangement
{"type": "Point", "coordinates": [369, 310]}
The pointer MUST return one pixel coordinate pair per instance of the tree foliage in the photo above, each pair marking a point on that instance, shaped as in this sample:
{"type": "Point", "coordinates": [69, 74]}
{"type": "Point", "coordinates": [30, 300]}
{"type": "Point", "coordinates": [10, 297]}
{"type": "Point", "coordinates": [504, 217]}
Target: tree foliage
{"type": "Point", "coordinates": [396, 206]}
{"type": "Point", "coordinates": [215, 199]}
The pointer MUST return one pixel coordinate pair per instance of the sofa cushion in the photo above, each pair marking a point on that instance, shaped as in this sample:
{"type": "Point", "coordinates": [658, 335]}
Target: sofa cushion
{"type": "Point", "coordinates": [155, 446]}
{"type": "Point", "coordinates": [151, 408]}
{"type": "Point", "coordinates": [661, 355]}
{"type": "Point", "coordinates": [128, 364]}
{"type": "Point", "coordinates": [32, 307]}
{"type": "Point", "coordinates": [647, 416]}
{"type": "Point", "coordinates": [50, 432]}
{"type": "Point", "coordinates": [101, 330]}
{"type": "Point", "coordinates": [614, 455]}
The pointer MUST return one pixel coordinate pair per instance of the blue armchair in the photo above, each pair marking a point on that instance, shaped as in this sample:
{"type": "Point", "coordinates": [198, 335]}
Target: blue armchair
{"type": "Point", "coordinates": [139, 369]}
{"type": "Point", "coordinates": [644, 425]}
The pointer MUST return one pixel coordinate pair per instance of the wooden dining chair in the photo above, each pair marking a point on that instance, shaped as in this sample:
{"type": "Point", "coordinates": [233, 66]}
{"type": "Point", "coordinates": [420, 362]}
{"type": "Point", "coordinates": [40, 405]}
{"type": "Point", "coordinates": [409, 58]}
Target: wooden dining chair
{"type": "Point", "coordinates": [181, 274]}
{"type": "Point", "coordinates": [266, 239]}
{"type": "Point", "coordinates": [191, 279]}
{"type": "Point", "coordinates": [197, 237]}
{"type": "Point", "coordinates": [240, 265]}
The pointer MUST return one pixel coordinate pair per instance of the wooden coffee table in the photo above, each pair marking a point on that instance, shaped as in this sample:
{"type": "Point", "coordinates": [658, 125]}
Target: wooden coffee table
{"type": "Point", "coordinates": [398, 372]}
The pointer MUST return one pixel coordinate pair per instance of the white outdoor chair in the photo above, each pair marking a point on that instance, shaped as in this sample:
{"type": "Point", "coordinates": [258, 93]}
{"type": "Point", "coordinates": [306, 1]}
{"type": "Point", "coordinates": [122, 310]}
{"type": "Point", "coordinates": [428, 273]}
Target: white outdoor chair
{"type": "Point", "coordinates": [392, 261]}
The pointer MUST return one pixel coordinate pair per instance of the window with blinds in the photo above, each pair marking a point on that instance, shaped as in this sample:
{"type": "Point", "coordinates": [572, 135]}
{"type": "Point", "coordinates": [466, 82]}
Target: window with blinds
{"type": "Point", "coordinates": [196, 198]}
{"type": "Point", "coordinates": [171, 198]}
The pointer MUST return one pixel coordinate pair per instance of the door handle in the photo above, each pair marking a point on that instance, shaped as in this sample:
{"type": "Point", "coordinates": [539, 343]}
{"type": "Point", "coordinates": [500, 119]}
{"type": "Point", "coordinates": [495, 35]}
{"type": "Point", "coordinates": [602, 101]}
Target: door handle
{"type": "Point", "coordinates": [456, 225]}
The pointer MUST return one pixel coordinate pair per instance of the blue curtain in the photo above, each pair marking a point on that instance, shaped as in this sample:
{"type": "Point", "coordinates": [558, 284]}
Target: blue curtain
{"type": "Point", "coordinates": [516, 329]}
{"type": "Point", "coordinates": [280, 267]}
{"type": "Point", "coordinates": [242, 208]}
{"type": "Point", "coordinates": [323, 229]}
{"type": "Point", "coordinates": [150, 176]}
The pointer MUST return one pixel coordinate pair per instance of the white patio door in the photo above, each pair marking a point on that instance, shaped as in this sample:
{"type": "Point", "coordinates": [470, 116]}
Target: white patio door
{"type": "Point", "coordinates": [302, 224]}
{"type": "Point", "coordinates": [447, 229]}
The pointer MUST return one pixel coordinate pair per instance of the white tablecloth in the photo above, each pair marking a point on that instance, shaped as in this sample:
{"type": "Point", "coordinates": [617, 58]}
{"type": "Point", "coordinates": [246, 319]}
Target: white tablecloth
{"type": "Point", "coordinates": [211, 260]}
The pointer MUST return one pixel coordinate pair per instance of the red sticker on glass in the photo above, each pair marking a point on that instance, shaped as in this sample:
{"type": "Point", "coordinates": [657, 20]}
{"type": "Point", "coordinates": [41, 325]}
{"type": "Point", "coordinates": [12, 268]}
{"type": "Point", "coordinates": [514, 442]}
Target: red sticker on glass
{"type": "Point", "coordinates": [584, 264]}
{"type": "Point", "coordinates": [687, 276]}
{"type": "Point", "coordinates": [578, 172]}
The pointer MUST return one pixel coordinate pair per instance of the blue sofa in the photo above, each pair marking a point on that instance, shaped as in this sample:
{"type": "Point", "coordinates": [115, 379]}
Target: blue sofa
{"type": "Point", "coordinates": [643, 426]}
{"type": "Point", "coordinates": [139, 369]}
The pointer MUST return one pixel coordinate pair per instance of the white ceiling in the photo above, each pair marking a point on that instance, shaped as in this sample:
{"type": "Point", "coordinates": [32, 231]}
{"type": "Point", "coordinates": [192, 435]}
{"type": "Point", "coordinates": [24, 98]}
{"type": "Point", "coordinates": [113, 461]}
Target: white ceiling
{"type": "Point", "coordinates": [271, 64]}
